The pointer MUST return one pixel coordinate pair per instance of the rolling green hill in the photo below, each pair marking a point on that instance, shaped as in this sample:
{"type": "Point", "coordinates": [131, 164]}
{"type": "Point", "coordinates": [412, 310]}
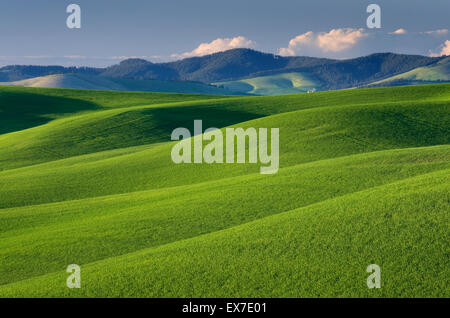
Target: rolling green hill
{"type": "Point", "coordinates": [86, 177]}
{"type": "Point", "coordinates": [285, 83]}
{"type": "Point", "coordinates": [82, 81]}
{"type": "Point", "coordinates": [346, 74]}
{"type": "Point", "coordinates": [435, 73]}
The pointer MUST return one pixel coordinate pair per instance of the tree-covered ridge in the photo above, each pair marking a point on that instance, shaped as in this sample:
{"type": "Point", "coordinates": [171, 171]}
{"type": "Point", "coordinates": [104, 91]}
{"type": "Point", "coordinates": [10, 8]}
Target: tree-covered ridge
{"type": "Point", "coordinates": [243, 63]}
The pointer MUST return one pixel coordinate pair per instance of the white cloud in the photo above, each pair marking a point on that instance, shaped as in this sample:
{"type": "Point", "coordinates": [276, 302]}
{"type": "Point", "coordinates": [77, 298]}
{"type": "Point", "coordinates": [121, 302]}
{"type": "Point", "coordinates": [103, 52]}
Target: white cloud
{"type": "Point", "coordinates": [437, 32]}
{"type": "Point", "coordinates": [399, 31]}
{"type": "Point", "coordinates": [218, 45]}
{"type": "Point", "coordinates": [445, 50]}
{"type": "Point", "coordinates": [337, 40]}
{"type": "Point", "coordinates": [307, 39]}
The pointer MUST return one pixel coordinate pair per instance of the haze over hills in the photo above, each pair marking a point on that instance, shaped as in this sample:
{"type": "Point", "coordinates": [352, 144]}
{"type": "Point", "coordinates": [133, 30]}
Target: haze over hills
{"type": "Point", "coordinates": [243, 65]}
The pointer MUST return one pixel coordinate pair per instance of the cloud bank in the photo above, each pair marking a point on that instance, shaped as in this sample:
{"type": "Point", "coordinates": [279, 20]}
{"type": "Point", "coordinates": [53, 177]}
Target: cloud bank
{"type": "Point", "coordinates": [437, 32]}
{"type": "Point", "coordinates": [399, 31]}
{"type": "Point", "coordinates": [336, 40]}
{"type": "Point", "coordinates": [218, 45]}
{"type": "Point", "coordinates": [445, 50]}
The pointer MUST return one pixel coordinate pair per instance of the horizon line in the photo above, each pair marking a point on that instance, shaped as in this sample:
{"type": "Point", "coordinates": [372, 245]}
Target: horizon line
{"type": "Point", "coordinates": [146, 58]}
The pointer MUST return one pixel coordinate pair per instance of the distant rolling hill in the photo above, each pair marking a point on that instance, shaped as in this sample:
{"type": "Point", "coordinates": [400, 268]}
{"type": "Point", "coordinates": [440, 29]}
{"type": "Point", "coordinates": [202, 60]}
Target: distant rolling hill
{"type": "Point", "coordinates": [285, 83]}
{"type": "Point", "coordinates": [82, 81]}
{"type": "Point", "coordinates": [255, 72]}
{"type": "Point", "coordinates": [436, 73]}
{"type": "Point", "coordinates": [360, 72]}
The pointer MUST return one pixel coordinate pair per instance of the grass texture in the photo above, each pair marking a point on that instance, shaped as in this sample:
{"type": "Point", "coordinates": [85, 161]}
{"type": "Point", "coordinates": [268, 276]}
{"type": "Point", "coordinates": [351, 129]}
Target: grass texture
{"type": "Point", "coordinates": [86, 178]}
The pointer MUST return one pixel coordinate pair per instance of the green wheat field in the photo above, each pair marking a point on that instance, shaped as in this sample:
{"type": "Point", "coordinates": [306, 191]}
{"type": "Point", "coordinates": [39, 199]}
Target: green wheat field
{"type": "Point", "coordinates": [86, 178]}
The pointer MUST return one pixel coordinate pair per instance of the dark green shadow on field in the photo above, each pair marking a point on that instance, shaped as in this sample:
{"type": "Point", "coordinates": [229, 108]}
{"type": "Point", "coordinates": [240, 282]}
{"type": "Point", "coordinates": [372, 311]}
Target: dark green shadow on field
{"type": "Point", "coordinates": [169, 118]}
{"type": "Point", "coordinates": [147, 126]}
{"type": "Point", "coordinates": [19, 111]}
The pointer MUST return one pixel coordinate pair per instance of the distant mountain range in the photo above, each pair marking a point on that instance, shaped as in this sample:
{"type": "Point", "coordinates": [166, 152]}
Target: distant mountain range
{"type": "Point", "coordinates": [245, 71]}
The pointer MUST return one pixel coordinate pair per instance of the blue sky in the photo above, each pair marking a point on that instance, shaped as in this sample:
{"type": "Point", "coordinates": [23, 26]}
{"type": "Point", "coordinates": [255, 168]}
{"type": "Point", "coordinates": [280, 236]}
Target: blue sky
{"type": "Point", "coordinates": [35, 32]}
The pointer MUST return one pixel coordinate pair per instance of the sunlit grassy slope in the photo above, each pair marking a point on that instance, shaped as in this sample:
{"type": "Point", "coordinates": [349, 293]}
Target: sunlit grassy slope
{"type": "Point", "coordinates": [439, 72]}
{"type": "Point", "coordinates": [86, 177]}
{"type": "Point", "coordinates": [284, 83]}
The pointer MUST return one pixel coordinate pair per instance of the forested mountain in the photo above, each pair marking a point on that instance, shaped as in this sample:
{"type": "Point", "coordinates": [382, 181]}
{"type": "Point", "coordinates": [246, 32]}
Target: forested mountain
{"type": "Point", "coordinates": [239, 64]}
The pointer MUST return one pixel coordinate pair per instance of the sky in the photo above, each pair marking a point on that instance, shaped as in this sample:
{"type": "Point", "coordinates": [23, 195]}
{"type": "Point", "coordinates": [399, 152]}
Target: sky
{"type": "Point", "coordinates": [35, 32]}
